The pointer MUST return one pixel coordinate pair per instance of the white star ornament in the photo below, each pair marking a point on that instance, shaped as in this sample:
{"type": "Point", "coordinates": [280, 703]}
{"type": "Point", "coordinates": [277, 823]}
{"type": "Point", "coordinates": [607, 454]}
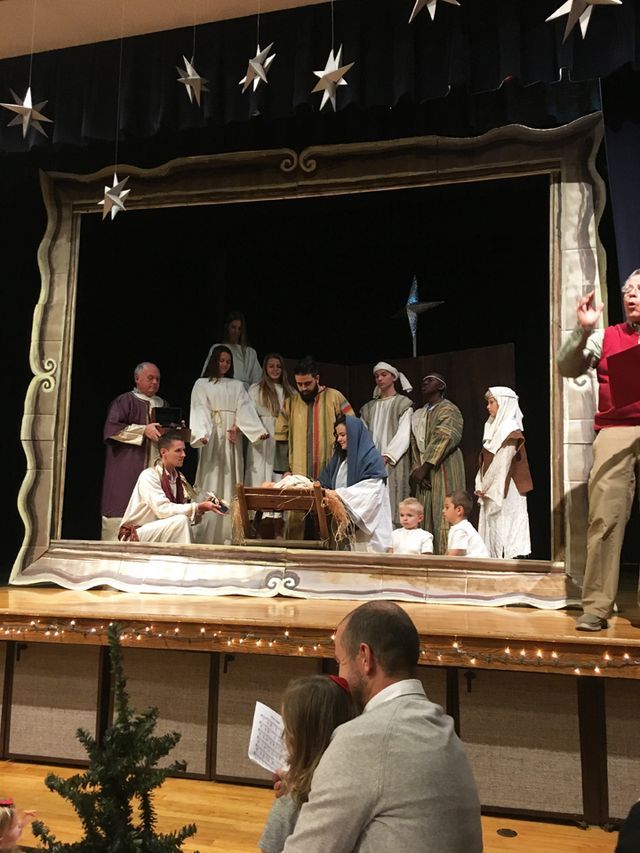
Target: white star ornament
{"type": "Point", "coordinates": [331, 77]}
{"type": "Point", "coordinates": [431, 7]}
{"type": "Point", "coordinates": [579, 10]}
{"type": "Point", "coordinates": [257, 68]}
{"type": "Point", "coordinates": [114, 197]}
{"type": "Point", "coordinates": [28, 114]}
{"type": "Point", "coordinates": [191, 80]}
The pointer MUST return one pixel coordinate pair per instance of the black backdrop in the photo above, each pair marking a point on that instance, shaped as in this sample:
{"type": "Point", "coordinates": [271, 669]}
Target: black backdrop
{"type": "Point", "coordinates": [315, 275]}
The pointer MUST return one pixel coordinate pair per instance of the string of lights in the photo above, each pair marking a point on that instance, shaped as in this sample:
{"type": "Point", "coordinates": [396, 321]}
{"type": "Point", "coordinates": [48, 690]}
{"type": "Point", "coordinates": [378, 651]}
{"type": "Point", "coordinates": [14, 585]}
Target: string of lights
{"type": "Point", "coordinates": [440, 651]}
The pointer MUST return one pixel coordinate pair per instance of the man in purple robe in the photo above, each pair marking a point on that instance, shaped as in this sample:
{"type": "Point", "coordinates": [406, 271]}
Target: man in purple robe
{"type": "Point", "coordinates": [131, 442]}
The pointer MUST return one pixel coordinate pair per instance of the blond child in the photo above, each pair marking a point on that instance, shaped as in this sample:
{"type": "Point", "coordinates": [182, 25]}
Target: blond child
{"type": "Point", "coordinates": [312, 708]}
{"type": "Point", "coordinates": [12, 823]}
{"type": "Point", "coordinates": [464, 540]}
{"type": "Point", "coordinates": [411, 538]}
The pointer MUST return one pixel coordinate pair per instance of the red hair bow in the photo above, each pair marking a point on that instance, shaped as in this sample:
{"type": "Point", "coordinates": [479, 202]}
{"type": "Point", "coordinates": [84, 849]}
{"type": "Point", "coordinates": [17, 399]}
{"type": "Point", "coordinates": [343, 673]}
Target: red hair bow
{"type": "Point", "coordinates": [341, 682]}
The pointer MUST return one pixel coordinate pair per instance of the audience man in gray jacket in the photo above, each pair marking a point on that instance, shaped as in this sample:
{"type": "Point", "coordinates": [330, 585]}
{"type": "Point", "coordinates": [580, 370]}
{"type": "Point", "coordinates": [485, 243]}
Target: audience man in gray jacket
{"type": "Point", "coordinates": [395, 778]}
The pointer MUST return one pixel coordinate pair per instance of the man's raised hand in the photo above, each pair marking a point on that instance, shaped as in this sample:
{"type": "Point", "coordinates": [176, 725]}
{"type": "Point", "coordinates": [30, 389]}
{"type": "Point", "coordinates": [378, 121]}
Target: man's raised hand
{"type": "Point", "coordinates": [588, 312]}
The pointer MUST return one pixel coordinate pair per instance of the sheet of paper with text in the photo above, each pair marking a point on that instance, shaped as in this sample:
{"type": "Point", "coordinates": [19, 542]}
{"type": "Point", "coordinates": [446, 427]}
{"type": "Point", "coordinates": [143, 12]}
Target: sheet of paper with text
{"type": "Point", "coordinates": [266, 744]}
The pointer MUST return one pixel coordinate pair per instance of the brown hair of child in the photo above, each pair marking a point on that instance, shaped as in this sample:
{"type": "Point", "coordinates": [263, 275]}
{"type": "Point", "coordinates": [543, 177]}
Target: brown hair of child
{"type": "Point", "coordinates": [312, 708]}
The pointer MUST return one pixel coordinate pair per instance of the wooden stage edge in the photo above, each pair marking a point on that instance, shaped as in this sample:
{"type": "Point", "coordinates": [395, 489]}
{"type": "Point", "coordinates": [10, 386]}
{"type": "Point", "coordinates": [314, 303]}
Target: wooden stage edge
{"type": "Point", "coordinates": [265, 572]}
{"type": "Point", "coordinates": [505, 638]}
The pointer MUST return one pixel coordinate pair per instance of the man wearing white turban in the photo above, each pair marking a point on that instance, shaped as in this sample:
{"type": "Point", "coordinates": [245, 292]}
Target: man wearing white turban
{"type": "Point", "coordinates": [503, 479]}
{"type": "Point", "coordinates": [388, 418]}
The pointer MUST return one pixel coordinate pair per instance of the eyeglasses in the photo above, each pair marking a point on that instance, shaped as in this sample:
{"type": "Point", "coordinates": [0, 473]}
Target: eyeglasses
{"type": "Point", "coordinates": [631, 290]}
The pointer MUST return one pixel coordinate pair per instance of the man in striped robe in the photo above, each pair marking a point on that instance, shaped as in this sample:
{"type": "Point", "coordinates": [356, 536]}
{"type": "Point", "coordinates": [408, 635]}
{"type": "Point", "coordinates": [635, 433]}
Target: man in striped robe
{"type": "Point", "coordinates": [437, 463]}
{"type": "Point", "coordinates": [307, 419]}
{"type": "Point", "coordinates": [306, 426]}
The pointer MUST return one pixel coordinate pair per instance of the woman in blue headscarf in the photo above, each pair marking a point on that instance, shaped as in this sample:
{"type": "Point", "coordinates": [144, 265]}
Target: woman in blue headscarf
{"type": "Point", "coordinates": [357, 474]}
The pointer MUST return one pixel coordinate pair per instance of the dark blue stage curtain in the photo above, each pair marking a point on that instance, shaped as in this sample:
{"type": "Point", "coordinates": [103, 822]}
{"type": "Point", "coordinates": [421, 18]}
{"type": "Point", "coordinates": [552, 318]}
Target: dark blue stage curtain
{"type": "Point", "coordinates": [472, 49]}
{"type": "Point", "coordinates": [621, 107]}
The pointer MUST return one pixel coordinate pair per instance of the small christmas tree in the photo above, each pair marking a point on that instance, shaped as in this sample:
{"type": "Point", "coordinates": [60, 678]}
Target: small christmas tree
{"type": "Point", "coordinates": [113, 798]}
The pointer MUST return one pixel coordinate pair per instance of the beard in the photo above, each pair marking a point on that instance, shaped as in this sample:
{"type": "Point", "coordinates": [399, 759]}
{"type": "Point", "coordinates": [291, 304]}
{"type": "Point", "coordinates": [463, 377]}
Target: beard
{"type": "Point", "coordinates": [358, 694]}
{"type": "Point", "coordinates": [309, 396]}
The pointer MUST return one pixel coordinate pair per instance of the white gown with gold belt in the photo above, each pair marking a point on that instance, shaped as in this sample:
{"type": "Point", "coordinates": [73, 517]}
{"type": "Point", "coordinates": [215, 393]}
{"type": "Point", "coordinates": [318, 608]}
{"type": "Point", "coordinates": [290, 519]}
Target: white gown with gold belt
{"type": "Point", "coordinates": [216, 405]}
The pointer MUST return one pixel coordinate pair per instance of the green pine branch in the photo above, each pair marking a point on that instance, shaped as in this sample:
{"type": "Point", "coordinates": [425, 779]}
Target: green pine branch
{"type": "Point", "coordinates": [122, 773]}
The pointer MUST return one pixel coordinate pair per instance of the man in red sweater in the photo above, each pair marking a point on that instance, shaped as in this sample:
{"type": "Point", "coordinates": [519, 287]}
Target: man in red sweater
{"type": "Point", "coordinates": [616, 449]}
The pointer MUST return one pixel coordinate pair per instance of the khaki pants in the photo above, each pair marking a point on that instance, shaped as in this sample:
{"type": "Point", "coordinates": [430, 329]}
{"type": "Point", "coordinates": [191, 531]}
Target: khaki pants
{"type": "Point", "coordinates": [616, 459]}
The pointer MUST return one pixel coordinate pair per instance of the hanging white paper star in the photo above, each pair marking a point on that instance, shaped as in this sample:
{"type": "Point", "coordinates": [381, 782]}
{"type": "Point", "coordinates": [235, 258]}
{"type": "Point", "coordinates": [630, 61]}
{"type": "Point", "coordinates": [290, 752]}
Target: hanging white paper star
{"type": "Point", "coordinates": [431, 7]}
{"type": "Point", "coordinates": [192, 81]}
{"type": "Point", "coordinates": [257, 68]}
{"type": "Point", "coordinates": [29, 115]}
{"type": "Point", "coordinates": [579, 10]}
{"type": "Point", "coordinates": [114, 196]}
{"type": "Point", "coordinates": [331, 77]}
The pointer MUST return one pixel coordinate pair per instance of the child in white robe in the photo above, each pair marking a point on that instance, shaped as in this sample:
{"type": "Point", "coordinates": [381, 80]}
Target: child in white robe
{"type": "Point", "coordinates": [411, 538]}
{"type": "Point", "coordinates": [388, 418]}
{"type": "Point", "coordinates": [464, 540]}
{"type": "Point", "coordinates": [268, 396]}
{"type": "Point", "coordinates": [263, 465]}
{"type": "Point", "coordinates": [503, 479]}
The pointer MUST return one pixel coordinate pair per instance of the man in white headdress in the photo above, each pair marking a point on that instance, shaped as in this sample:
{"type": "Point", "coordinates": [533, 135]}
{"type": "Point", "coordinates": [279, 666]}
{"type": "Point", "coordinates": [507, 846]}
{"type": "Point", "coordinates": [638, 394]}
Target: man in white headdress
{"type": "Point", "coordinates": [503, 479]}
{"type": "Point", "coordinates": [388, 418]}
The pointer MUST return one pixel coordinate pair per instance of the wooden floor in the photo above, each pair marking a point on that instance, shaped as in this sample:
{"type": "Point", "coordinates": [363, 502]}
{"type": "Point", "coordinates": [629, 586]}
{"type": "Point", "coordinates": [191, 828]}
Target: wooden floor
{"type": "Point", "coordinates": [230, 817]}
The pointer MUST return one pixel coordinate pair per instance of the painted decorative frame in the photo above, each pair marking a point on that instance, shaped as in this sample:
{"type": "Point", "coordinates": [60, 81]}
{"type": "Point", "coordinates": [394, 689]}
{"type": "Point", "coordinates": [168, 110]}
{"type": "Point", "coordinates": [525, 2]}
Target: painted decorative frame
{"type": "Point", "coordinates": [576, 261]}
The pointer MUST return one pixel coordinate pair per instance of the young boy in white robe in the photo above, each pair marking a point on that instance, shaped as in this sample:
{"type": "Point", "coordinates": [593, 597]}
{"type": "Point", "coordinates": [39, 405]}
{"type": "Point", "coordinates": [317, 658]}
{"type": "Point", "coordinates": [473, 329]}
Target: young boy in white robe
{"type": "Point", "coordinates": [411, 538]}
{"type": "Point", "coordinates": [388, 418]}
{"type": "Point", "coordinates": [464, 540]}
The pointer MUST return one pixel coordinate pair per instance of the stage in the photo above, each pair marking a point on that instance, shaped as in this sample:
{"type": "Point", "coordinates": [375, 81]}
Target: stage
{"type": "Point", "coordinates": [506, 638]}
{"type": "Point", "coordinates": [546, 713]}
